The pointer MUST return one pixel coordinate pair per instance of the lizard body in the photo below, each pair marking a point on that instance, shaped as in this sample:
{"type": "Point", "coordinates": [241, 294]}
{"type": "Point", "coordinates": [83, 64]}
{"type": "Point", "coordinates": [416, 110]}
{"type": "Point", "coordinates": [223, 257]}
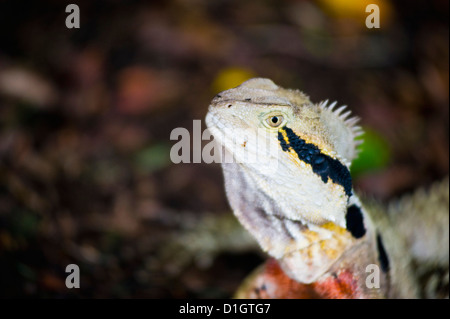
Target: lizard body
{"type": "Point", "coordinates": [289, 185]}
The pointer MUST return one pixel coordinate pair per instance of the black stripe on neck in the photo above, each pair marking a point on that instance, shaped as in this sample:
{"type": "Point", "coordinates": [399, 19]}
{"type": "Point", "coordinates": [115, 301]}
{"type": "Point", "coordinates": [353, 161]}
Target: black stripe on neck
{"type": "Point", "coordinates": [323, 165]}
{"type": "Point", "coordinates": [382, 255]}
{"type": "Point", "coordinates": [355, 221]}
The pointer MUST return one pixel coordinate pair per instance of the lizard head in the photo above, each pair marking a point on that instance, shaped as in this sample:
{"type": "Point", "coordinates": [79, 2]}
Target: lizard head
{"type": "Point", "coordinates": [288, 181]}
{"type": "Point", "coordinates": [301, 148]}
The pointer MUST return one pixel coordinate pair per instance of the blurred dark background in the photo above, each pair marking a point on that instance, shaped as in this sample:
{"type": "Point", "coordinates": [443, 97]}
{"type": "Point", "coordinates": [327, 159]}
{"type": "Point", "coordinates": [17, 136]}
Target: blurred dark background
{"type": "Point", "coordinates": [86, 115]}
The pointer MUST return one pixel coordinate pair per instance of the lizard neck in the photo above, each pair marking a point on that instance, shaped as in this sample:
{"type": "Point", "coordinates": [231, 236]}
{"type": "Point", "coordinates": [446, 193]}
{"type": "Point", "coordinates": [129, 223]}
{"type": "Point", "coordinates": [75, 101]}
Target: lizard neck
{"type": "Point", "coordinates": [306, 251]}
{"type": "Point", "coordinates": [333, 248]}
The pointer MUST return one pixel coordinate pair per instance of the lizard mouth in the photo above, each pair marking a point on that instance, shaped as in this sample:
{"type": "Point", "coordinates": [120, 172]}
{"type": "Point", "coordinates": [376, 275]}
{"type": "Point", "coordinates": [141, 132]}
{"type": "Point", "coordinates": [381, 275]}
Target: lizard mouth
{"type": "Point", "coordinates": [230, 137]}
{"type": "Point", "coordinates": [212, 121]}
{"type": "Point", "coordinates": [215, 118]}
{"type": "Point", "coordinates": [241, 143]}
{"type": "Point", "coordinates": [217, 128]}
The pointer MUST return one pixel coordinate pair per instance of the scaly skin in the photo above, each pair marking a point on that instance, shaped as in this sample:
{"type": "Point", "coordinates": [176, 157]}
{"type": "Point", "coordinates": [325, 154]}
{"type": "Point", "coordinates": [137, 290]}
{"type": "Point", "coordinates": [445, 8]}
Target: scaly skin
{"type": "Point", "coordinates": [289, 184]}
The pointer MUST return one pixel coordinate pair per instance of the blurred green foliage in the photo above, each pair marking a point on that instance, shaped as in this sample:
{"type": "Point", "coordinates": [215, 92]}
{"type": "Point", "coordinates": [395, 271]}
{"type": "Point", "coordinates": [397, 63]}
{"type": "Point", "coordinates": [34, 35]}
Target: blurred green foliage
{"type": "Point", "coordinates": [153, 157]}
{"type": "Point", "coordinates": [374, 153]}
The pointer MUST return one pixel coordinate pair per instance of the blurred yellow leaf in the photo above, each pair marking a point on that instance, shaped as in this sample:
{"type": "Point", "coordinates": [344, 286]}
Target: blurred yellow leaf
{"type": "Point", "coordinates": [356, 9]}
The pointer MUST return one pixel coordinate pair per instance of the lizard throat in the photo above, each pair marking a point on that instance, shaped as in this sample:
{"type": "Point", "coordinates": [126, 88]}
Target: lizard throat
{"type": "Point", "coordinates": [322, 165]}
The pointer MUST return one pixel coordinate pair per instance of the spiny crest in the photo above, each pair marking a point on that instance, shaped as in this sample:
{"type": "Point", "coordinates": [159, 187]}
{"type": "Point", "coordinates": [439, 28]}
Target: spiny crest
{"type": "Point", "coordinates": [343, 115]}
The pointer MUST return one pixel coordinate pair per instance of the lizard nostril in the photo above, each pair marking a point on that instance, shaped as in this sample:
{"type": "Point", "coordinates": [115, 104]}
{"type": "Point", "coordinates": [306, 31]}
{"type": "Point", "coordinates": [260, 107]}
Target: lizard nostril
{"type": "Point", "coordinates": [229, 105]}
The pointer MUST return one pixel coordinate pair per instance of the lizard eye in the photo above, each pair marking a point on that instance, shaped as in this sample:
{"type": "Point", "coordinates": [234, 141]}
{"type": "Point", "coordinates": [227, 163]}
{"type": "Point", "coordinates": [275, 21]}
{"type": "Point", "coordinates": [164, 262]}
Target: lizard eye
{"type": "Point", "coordinates": [275, 120]}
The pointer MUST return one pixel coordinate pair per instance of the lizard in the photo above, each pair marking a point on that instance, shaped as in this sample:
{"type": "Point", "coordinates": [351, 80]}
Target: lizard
{"type": "Point", "coordinates": [289, 184]}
